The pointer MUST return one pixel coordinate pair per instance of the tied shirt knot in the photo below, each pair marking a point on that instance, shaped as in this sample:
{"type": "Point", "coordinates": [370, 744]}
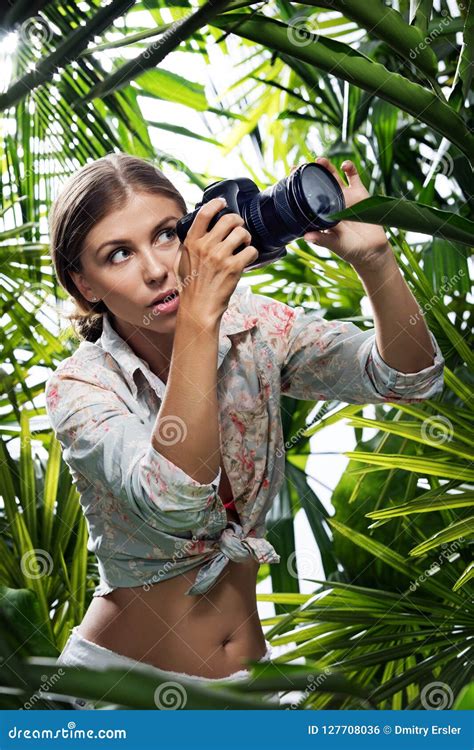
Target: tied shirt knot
{"type": "Point", "coordinates": [235, 545]}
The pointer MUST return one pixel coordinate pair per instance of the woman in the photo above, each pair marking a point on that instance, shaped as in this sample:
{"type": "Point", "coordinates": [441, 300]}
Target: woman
{"type": "Point", "coordinates": [169, 414]}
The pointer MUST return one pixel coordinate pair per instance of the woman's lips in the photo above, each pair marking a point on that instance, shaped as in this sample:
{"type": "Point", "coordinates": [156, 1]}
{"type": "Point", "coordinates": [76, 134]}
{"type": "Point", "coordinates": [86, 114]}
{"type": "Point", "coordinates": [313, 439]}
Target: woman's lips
{"type": "Point", "coordinates": [166, 307]}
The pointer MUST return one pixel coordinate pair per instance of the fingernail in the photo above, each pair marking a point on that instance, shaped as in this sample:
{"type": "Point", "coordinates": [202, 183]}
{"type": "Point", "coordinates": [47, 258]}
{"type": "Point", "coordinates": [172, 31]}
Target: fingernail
{"type": "Point", "coordinates": [222, 200]}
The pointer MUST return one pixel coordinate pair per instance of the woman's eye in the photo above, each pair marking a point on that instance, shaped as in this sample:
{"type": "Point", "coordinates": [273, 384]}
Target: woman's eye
{"type": "Point", "coordinates": [166, 235]}
{"type": "Point", "coordinates": [163, 237]}
{"type": "Point", "coordinates": [113, 255]}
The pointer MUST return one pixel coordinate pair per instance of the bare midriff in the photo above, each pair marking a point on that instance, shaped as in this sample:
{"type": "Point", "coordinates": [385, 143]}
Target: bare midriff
{"type": "Point", "coordinates": [209, 635]}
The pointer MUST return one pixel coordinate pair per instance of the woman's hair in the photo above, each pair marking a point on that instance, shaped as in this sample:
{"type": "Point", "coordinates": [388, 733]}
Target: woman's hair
{"type": "Point", "coordinates": [88, 195]}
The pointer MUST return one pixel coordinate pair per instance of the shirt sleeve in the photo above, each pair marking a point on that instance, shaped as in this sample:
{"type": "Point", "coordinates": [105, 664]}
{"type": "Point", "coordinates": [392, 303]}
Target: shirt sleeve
{"type": "Point", "coordinates": [323, 359]}
{"type": "Point", "coordinates": [106, 445]}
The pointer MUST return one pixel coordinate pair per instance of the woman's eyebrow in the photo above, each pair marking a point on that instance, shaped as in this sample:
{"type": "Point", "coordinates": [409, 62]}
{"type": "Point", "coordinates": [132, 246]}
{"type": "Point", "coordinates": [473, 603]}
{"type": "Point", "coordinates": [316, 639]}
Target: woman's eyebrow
{"type": "Point", "coordinates": [124, 241]}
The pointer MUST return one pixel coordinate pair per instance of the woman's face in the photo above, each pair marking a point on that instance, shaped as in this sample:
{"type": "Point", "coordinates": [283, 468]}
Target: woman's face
{"type": "Point", "coordinates": [130, 257]}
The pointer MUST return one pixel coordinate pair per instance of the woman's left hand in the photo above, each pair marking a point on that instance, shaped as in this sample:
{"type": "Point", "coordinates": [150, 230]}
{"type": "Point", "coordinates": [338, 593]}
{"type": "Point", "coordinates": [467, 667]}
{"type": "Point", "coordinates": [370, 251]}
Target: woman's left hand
{"type": "Point", "coordinates": [362, 245]}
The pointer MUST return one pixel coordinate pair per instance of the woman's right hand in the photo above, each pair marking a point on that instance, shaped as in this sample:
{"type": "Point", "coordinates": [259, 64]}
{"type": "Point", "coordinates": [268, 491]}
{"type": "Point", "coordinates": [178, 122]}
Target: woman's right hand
{"type": "Point", "coordinates": [207, 272]}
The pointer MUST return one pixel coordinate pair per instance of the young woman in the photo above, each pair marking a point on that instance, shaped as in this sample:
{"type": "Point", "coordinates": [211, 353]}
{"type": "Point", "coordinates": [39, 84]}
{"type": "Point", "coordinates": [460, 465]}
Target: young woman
{"type": "Point", "coordinates": [169, 414]}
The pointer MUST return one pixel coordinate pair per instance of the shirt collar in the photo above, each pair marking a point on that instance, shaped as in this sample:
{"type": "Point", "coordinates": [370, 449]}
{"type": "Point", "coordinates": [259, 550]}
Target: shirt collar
{"type": "Point", "coordinates": [234, 320]}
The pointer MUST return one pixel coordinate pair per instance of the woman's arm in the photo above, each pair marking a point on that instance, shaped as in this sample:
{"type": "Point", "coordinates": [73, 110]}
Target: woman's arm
{"type": "Point", "coordinates": [189, 409]}
{"type": "Point", "coordinates": [403, 344]}
{"type": "Point", "coordinates": [402, 337]}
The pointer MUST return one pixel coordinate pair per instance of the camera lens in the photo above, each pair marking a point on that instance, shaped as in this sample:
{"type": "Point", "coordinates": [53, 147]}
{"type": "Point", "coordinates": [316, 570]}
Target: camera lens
{"type": "Point", "coordinates": [296, 204]}
{"type": "Point", "coordinates": [317, 189]}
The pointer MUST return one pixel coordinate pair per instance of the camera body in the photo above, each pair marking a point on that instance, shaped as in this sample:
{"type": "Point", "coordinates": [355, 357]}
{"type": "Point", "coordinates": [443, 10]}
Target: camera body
{"type": "Point", "coordinates": [283, 212]}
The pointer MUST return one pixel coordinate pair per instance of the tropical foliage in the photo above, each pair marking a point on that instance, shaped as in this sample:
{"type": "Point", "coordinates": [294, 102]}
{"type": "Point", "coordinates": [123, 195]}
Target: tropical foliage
{"type": "Point", "coordinates": [388, 85]}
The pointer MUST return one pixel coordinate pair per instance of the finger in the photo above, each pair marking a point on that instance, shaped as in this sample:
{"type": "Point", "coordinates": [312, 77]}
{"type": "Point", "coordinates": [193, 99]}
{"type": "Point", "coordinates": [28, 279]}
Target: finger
{"type": "Point", "coordinates": [203, 217]}
{"type": "Point", "coordinates": [247, 255]}
{"type": "Point", "coordinates": [238, 236]}
{"type": "Point", "coordinates": [331, 168]}
{"type": "Point", "coordinates": [325, 239]}
{"type": "Point", "coordinates": [224, 227]}
{"type": "Point", "coordinates": [351, 173]}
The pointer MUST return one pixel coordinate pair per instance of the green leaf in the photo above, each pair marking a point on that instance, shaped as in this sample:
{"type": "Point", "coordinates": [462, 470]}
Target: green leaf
{"type": "Point", "coordinates": [156, 52]}
{"type": "Point", "coordinates": [465, 699]}
{"type": "Point", "coordinates": [426, 433]}
{"type": "Point", "coordinates": [425, 505]}
{"type": "Point", "coordinates": [381, 551]}
{"type": "Point", "coordinates": [23, 614]}
{"type": "Point", "coordinates": [179, 130]}
{"type": "Point", "coordinates": [420, 13]}
{"type": "Point", "coordinates": [417, 217]}
{"type": "Point", "coordinates": [465, 577]}
{"type": "Point", "coordinates": [418, 464]}
{"type": "Point", "coordinates": [67, 50]}
{"type": "Point", "coordinates": [163, 84]}
{"type": "Point", "coordinates": [467, 54]}
{"type": "Point", "coordinates": [389, 25]}
{"type": "Point", "coordinates": [462, 530]}
{"type": "Point", "coordinates": [345, 62]}
{"type": "Point", "coordinates": [27, 477]}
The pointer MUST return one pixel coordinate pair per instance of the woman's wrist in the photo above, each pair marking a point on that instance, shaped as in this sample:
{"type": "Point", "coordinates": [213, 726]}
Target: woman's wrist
{"type": "Point", "coordinates": [379, 264]}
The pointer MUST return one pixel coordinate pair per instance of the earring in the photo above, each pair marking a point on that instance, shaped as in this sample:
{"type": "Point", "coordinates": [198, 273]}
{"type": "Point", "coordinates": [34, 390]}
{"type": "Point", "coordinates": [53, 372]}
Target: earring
{"type": "Point", "coordinates": [94, 299]}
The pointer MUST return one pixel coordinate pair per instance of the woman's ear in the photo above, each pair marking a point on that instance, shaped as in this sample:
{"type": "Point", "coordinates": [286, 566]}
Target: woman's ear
{"type": "Point", "coordinates": [82, 286]}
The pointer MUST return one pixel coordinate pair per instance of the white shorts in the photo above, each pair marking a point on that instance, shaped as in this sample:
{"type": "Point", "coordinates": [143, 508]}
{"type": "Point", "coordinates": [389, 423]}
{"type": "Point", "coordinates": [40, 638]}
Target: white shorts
{"type": "Point", "coordinates": [80, 652]}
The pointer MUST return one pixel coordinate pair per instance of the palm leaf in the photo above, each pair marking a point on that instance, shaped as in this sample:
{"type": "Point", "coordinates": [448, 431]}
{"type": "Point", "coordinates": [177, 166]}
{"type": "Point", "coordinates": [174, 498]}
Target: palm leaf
{"type": "Point", "coordinates": [341, 60]}
{"type": "Point", "coordinates": [379, 209]}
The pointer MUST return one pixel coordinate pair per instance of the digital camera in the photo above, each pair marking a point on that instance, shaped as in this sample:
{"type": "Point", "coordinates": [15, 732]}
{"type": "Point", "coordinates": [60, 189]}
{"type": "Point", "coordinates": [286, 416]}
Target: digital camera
{"type": "Point", "coordinates": [297, 204]}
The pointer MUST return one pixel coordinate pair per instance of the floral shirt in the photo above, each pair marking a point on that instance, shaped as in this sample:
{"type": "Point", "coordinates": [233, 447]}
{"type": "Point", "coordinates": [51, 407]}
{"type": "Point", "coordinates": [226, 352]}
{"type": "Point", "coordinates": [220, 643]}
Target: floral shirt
{"type": "Point", "coordinates": [147, 519]}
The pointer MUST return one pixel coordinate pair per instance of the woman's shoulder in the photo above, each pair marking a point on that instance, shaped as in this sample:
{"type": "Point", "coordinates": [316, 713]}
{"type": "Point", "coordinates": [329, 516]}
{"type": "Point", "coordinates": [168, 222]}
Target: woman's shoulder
{"type": "Point", "coordinates": [88, 362]}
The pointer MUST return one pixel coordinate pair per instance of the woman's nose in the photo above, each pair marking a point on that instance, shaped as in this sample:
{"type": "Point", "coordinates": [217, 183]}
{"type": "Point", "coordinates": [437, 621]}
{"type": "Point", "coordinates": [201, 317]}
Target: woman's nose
{"type": "Point", "coordinates": [152, 267]}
